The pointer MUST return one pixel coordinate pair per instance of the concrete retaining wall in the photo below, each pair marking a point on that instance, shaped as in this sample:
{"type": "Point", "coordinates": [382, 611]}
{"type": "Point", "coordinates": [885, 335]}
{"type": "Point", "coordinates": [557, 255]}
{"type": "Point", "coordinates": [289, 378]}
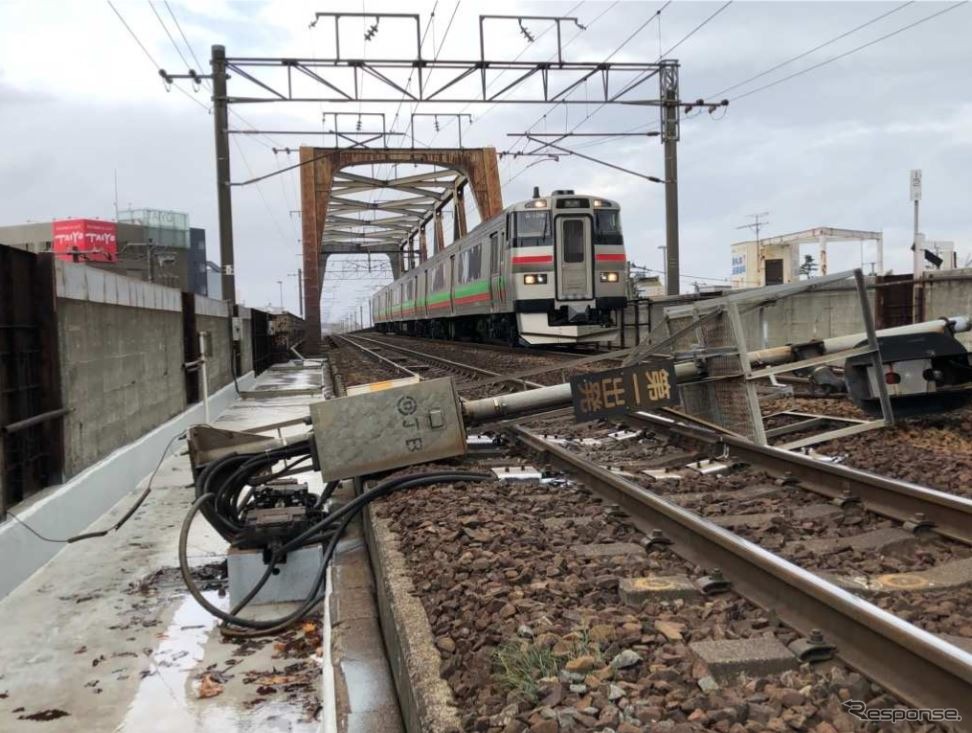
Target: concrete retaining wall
{"type": "Point", "coordinates": [949, 293]}
{"type": "Point", "coordinates": [815, 315]}
{"type": "Point", "coordinates": [68, 509]}
{"type": "Point", "coordinates": [820, 314]}
{"type": "Point", "coordinates": [121, 358]}
{"type": "Point", "coordinates": [213, 316]}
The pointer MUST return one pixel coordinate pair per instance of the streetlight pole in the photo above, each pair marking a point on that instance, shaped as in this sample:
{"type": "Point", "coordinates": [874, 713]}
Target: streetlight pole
{"type": "Point", "coordinates": [280, 283]}
{"type": "Point", "coordinates": [300, 289]}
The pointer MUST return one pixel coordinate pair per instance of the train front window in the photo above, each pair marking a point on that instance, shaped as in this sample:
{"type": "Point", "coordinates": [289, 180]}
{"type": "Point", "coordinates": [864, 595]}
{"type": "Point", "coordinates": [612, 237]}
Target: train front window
{"type": "Point", "coordinates": [607, 227]}
{"type": "Point", "coordinates": [573, 240]}
{"type": "Point", "coordinates": [533, 229]}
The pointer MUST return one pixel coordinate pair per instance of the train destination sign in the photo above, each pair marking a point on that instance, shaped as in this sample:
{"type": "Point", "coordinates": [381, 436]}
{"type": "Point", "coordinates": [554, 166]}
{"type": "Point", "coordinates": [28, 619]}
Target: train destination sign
{"type": "Point", "coordinates": [617, 391]}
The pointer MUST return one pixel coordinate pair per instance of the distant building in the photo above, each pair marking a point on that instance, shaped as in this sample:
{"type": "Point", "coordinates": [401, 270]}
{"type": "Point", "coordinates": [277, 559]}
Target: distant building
{"type": "Point", "coordinates": [214, 280]}
{"type": "Point", "coordinates": [776, 260]}
{"type": "Point", "coordinates": [648, 286]}
{"type": "Point", "coordinates": [944, 251]}
{"type": "Point", "coordinates": [147, 244]}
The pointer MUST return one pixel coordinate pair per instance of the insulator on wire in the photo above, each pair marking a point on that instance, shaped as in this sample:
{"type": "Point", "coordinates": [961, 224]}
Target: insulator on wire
{"type": "Point", "coordinates": [526, 33]}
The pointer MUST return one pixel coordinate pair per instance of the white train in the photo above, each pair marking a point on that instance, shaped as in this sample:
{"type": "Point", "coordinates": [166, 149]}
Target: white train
{"type": "Point", "coordinates": [551, 270]}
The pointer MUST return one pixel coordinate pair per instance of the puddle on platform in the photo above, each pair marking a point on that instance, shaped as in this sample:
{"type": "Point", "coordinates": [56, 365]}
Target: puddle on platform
{"type": "Point", "coordinates": [166, 699]}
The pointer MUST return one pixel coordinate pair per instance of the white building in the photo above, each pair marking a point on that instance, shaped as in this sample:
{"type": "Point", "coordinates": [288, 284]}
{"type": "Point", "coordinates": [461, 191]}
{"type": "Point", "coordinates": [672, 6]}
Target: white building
{"type": "Point", "coordinates": [776, 260]}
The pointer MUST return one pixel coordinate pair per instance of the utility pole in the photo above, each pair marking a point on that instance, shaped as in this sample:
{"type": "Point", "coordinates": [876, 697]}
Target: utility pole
{"type": "Point", "coordinates": [757, 223]}
{"type": "Point", "coordinates": [300, 289]}
{"type": "Point", "coordinates": [919, 251]}
{"type": "Point", "coordinates": [223, 197]}
{"type": "Point", "coordinates": [280, 284]}
{"type": "Point", "coordinates": [668, 78]}
{"type": "Point", "coordinates": [148, 260]}
{"type": "Point", "coordinates": [916, 198]}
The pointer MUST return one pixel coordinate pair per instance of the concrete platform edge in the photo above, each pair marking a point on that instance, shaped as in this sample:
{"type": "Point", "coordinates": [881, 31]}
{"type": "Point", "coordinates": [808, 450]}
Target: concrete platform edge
{"type": "Point", "coordinates": [425, 699]}
{"type": "Point", "coordinates": [67, 509]}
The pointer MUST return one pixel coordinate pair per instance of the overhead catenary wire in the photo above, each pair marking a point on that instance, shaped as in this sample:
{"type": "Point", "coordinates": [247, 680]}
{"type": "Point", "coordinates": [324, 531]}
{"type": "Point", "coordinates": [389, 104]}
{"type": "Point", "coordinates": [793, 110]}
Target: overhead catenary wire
{"type": "Point", "coordinates": [185, 40]}
{"type": "Point", "coordinates": [169, 34]}
{"type": "Point", "coordinates": [816, 48]}
{"type": "Point", "coordinates": [644, 75]}
{"type": "Point", "coordinates": [854, 50]}
{"type": "Point", "coordinates": [148, 55]}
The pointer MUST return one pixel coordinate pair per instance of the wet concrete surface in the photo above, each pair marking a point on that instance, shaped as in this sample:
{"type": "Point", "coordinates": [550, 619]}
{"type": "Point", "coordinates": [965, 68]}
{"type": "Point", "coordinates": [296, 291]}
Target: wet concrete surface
{"type": "Point", "coordinates": [105, 637]}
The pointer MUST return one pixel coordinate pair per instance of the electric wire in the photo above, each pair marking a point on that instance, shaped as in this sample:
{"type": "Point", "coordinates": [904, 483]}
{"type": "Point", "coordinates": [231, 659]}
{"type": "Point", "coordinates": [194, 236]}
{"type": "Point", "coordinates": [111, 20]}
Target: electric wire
{"type": "Point", "coordinates": [639, 79]}
{"type": "Point", "coordinates": [327, 530]}
{"type": "Point", "coordinates": [125, 517]}
{"type": "Point", "coordinates": [167, 33]}
{"type": "Point", "coordinates": [185, 40]}
{"type": "Point", "coordinates": [806, 53]}
{"type": "Point", "coordinates": [845, 54]}
{"type": "Point", "coordinates": [154, 63]}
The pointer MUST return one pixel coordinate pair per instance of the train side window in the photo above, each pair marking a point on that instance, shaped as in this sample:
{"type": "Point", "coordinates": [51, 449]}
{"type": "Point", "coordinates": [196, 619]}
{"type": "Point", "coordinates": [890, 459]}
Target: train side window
{"type": "Point", "coordinates": [475, 262]}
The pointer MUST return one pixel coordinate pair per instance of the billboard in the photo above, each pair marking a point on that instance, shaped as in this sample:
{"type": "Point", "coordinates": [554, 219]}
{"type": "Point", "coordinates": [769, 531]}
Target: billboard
{"type": "Point", "coordinates": [85, 240]}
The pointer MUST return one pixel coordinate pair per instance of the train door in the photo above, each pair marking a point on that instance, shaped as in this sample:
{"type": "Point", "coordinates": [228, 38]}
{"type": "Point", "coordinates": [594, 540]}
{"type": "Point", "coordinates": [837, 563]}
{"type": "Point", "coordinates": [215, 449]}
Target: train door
{"type": "Point", "coordinates": [495, 274]}
{"type": "Point", "coordinates": [453, 280]}
{"type": "Point", "coordinates": [575, 261]}
{"type": "Point", "coordinates": [423, 294]}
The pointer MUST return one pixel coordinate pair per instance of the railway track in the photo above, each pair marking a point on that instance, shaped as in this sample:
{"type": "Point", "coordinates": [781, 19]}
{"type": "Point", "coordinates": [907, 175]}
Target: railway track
{"type": "Point", "coordinates": [372, 346]}
{"type": "Point", "coordinates": [915, 665]}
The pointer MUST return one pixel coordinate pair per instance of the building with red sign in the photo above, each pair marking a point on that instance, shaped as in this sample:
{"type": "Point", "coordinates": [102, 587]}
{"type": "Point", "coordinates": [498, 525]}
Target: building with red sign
{"type": "Point", "coordinates": [89, 240]}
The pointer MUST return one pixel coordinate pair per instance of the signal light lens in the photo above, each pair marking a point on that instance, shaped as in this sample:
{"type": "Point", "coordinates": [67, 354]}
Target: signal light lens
{"type": "Point", "coordinates": [535, 279]}
{"type": "Point", "coordinates": [609, 277]}
{"type": "Point", "coordinates": [892, 378]}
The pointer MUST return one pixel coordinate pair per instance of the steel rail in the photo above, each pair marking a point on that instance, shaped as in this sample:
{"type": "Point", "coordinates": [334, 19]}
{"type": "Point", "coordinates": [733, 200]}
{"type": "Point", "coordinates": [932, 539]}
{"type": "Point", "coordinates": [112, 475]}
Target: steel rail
{"type": "Point", "coordinates": [911, 663]}
{"type": "Point", "coordinates": [950, 515]}
{"type": "Point", "coordinates": [903, 501]}
{"type": "Point", "coordinates": [378, 356]}
{"type": "Point", "coordinates": [479, 371]}
{"type": "Point", "coordinates": [492, 346]}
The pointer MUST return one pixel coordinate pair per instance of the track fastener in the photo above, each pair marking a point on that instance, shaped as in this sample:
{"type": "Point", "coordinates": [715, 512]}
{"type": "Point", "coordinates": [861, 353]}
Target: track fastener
{"type": "Point", "coordinates": [655, 539]}
{"type": "Point", "coordinates": [812, 648]}
{"type": "Point", "coordinates": [918, 524]}
{"type": "Point", "coordinates": [846, 500]}
{"type": "Point", "coordinates": [713, 583]}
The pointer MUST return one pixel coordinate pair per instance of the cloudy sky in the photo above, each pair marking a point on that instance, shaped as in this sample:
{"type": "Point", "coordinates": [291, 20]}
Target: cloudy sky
{"type": "Point", "coordinates": [833, 146]}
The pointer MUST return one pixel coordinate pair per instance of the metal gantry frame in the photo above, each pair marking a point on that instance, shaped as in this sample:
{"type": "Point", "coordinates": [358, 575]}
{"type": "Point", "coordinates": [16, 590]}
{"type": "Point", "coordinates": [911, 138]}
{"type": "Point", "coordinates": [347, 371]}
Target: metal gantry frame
{"type": "Point", "coordinates": [339, 79]}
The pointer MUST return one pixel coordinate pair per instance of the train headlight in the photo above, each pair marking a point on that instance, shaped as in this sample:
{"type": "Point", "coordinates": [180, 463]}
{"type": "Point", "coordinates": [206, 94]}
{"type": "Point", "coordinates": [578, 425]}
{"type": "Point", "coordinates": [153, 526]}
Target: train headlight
{"type": "Point", "coordinates": [609, 277]}
{"type": "Point", "coordinates": [537, 279]}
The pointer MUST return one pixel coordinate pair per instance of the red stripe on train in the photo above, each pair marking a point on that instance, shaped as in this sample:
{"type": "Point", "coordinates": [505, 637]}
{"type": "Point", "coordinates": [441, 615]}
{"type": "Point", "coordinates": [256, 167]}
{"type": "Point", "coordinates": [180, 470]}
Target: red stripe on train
{"type": "Point", "coordinates": [610, 258]}
{"type": "Point", "coordinates": [531, 259]}
{"type": "Point", "coordinates": [472, 298]}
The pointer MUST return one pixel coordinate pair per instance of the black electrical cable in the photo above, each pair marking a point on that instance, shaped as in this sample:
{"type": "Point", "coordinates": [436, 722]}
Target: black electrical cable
{"type": "Point", "coordinates": [117, 525]}
{"type": "Point", "coordinates": [331, 528]}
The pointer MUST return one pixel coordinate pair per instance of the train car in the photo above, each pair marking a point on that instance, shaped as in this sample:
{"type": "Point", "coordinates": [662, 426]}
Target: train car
{"type": "Point", "coordinates": [551, 270]}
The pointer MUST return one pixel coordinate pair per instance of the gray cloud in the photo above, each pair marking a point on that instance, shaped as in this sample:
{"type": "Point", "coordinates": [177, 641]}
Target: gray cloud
{"type": "Point", "coordinates": [831, 147]}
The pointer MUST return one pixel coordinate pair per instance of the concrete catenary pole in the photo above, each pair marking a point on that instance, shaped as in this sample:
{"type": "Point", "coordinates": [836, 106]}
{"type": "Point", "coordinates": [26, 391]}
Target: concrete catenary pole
{"type": "Point", "coordinates": [223, 194]}
{"type": "Point", "coordinates": [670, 133]}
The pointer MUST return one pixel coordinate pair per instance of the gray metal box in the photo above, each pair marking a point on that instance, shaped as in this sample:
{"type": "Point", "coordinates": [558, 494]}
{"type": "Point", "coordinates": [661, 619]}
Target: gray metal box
{"type": "Point", "coordinates": [292, 580]}
{"type": "Point", "coordinates": [389, 428]}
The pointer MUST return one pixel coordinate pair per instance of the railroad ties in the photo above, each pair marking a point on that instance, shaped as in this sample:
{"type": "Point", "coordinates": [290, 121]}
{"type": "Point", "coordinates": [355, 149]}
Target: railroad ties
{"type": "Point", "coordinates": [627, 575]}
